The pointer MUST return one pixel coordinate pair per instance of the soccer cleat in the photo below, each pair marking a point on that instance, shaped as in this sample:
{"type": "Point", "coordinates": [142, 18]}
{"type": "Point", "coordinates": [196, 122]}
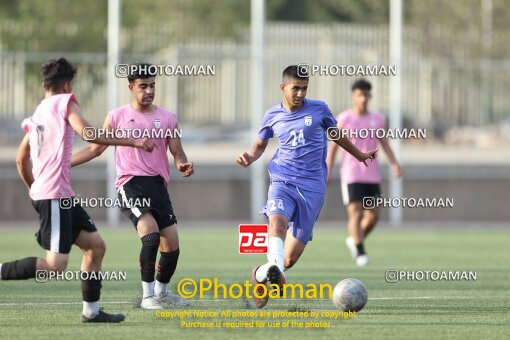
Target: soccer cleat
{"type": "Point", "coordinates": [352, 247]}
{"type": "Point", "coordinates": [172, 299]}
{"type": "Point", "coordinates": [103, 317]}
{"type": "Point", "coordinates": [275, 276]}
{"type": "Point", "coordinates": [259, 302]}
{"type": "Point", "coordinates": [150, 302]}
{"type": "Point", "coordinates": [362, 260]}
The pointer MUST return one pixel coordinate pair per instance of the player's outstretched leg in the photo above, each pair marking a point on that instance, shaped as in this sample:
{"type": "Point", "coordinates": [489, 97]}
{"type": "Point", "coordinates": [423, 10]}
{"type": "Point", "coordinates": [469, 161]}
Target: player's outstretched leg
{"type": "Point", "coordinates": [93, 248]}
{"type": "Point", "coordinates": [169, 255]}
{"type": "Point", "coordinates": [272, 271]}
{"type": "Point", "coordinates": [22, 269]}
{"type": "Point", "coordinates": [149, 235]}
{"type": "Point", "coordinates": [26, 268]}
{"type": "Point", "coordinates": [355, 240]}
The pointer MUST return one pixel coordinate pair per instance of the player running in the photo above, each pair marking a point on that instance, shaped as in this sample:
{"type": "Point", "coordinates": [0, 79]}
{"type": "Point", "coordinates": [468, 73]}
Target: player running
{"type": "Point", "coordinates": [357, 181]}
{"type": "Point", "coordinates": [145, 175]}
{"type": "Point", "coordinates": [48, 145]}
{"type": "Point", "coordinates": [297, 173]}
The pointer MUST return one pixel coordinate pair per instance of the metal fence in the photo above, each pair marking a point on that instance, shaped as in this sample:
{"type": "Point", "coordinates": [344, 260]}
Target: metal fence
{"type": "Point", "coordinates": [438, 92]}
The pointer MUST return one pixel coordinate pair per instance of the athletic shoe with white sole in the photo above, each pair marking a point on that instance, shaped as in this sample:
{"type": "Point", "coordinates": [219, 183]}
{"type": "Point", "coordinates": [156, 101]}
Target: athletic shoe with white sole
{"type": "Point", "coordinates": [275, 276]}
{"type": "Point", "coordinates": [103, 317]}
{"type": "Point", "coordinates": [362, 260]}
{"type": "Point", "coordinates": [172, 299]}
{"type": "Point", "coordinates": [150, 302]}
{"type": "Point", "coordinates": [349, 241]}
{"type": "Point", "coordinates": [261, 297]}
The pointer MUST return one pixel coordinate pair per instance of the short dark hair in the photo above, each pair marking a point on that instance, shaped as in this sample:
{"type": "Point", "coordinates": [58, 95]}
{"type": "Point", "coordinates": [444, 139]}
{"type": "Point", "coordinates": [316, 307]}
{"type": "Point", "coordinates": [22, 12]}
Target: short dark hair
{"type": "Point", "coordinates": [140, 71]}
{"type": "Point", "coordinates": [295, 72]}
{"type": "Point", "coordinates": [55, 72]}
{"type": "Point", "coordinates": [361, 84]}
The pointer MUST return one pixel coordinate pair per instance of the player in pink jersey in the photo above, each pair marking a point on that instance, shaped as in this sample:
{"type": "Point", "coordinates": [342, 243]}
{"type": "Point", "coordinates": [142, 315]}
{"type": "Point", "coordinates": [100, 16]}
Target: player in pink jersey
{"type": "Point", "coordinates": [144, 175]}
{"type": "Point", "coordinates": [48, 146]}
{"type": "Point", "coordinates": [358, 181]}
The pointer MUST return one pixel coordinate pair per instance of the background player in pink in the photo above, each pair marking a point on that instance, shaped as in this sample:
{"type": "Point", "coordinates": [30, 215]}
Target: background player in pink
{"type": "Point", "coordinates": [145, 175]}
{"type": "Point", "coordinates": [48, 145]}
{"type": "Point", "coordinates": [360, 181]}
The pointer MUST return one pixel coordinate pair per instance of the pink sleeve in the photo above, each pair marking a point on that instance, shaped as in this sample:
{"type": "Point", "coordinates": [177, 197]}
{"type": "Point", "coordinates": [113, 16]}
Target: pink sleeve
{"type": "Point", "coordinates": [27, 124]}
{"type": "Point", "coordinates": [341, 118]}
{"type": "Point", "coordinates": [63, 105]}
{"type": "Point", "coordinates": [113, 121]}
{"type": "Point", "coordinates": [173, 121]}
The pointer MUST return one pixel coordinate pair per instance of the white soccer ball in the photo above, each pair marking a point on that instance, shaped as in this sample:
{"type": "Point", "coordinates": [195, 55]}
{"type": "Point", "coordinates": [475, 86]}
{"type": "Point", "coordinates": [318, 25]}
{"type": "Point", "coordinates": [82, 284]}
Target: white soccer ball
{"type": "Point", "coordinates": [350, 295]}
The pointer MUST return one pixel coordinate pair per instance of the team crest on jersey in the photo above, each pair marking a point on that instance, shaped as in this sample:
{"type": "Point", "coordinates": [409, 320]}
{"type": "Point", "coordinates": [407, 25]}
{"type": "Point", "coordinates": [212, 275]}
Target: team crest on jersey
{"type": "Point", "coordinates": [157, 123]}
{"type": "Point", "coordinates": [308, 120]}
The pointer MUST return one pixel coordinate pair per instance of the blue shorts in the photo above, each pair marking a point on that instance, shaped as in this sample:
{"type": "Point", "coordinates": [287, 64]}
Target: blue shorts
{"type": "Point", "coordinates": [301, 207]}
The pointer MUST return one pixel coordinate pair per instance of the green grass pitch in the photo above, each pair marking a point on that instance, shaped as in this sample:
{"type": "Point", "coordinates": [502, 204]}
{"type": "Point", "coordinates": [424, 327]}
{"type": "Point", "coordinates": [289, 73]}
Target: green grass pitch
{"type": "Point", "coordinates": [408, 309]}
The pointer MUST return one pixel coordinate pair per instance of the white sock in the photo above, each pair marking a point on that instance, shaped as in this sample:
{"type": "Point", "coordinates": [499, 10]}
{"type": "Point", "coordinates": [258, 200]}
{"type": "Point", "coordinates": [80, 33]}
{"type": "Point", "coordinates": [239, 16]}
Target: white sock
{"type": "Point", "coordinates": [160, 288]}
{"type": "Point", "coordinates": [261, 273]}
{"type": "Point", "coordinates": [148, 289]}
{"type": "Point", "coordinates": [90, 309]}
{"type": "Point", "coordinates": [275, 252]}
{"type": "Point", "coordinates": [274, 256]}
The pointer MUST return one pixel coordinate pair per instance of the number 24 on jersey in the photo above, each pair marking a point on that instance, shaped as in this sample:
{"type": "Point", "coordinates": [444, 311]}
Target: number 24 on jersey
{"type": "Point", "coordinates": [298, 138]}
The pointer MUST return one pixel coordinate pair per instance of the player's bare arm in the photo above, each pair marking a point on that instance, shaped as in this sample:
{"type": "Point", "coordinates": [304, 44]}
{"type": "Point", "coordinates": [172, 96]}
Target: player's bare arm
{"type": "Point", "coordinates": [79, 124]}
{"type": "Point", "coordinates": [347, 145]}
{"type": "Point", "coordinates": [330, 159]}
{"type": "Point", "coordinates": [23, 162]}
{"type": "Point", "coordinates": [180, 158]}
{"type": "Point", "coordinates": [91, 151]}
{"type": "Point", "coordinates": [391, 157]}
{"type": "Point", "coordinates": [258, 148]}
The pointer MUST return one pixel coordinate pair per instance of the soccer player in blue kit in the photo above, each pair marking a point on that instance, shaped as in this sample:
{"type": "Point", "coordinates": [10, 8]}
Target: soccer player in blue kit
{"type": "Point", "coordinates": [297, 172]}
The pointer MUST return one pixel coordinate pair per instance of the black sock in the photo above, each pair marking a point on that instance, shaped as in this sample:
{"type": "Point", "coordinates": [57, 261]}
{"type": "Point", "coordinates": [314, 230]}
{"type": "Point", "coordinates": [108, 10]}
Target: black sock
{"type": "Point", "coordinates": [167, 265]}
{"type": "Point", "coordinates": [19, 270]}
{"type": "Point", "coordinates": [91, 289]}
{"type": "Point", "coordinates": [148, 254]}
{"type": "Point", "coordinates": [361, 250]}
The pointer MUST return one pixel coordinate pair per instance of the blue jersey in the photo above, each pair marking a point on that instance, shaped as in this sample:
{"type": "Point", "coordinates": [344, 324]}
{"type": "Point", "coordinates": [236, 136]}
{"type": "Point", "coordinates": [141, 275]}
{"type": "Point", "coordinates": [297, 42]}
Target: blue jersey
{"type": "Point", "coordinates": [300, 159]}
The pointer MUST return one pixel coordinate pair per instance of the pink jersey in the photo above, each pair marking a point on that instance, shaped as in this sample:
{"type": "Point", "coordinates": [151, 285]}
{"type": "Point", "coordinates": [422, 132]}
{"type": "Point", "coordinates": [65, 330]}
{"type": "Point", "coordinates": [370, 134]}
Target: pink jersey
{"type": "Point", "coordinates": [129, 161]}
{"type": "Point", "coordinates": [352, 170]}
{"type": "Point", "coordinates": [51, 144]}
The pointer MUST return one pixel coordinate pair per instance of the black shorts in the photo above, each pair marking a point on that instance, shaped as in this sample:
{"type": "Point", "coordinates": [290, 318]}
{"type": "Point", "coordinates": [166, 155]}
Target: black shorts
{"type": "Point", "coordinates": [143, 194]}
{"type": "Point", "coordinates": [355, 192]}
{"type": "Point", "coordinates": [60, 227]}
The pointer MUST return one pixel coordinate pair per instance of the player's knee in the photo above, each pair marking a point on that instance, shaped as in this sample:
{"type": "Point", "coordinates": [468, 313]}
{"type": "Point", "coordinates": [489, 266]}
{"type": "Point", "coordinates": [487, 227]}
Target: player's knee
{"type": "Point", "coordinates": [98, 250]}
{"type": "Point", "coordinates": [151, 240]}
{"type": "Point", "coordinates": [355, 214]}
{"type": "Point", "coordinates": [57, 263]}
{"type": "Point", "coordinates": [372, 218]}
{"type": "Point", "coordinates": [278, 225]}
{"type": "Point", "coordinates": [147, 224]}
{"type": "Point", "coordinates": [290, 262]}
{"type": "Point", "coordinates": [168, 246]}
